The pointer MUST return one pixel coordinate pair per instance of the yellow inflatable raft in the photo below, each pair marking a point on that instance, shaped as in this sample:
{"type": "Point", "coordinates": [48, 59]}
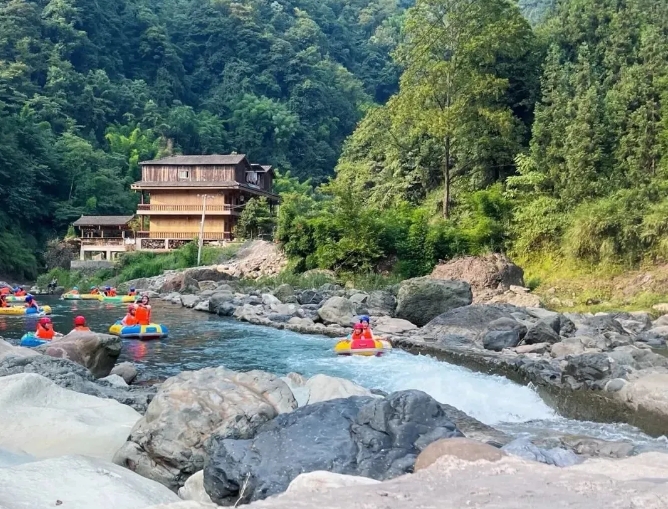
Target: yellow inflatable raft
{"type": "Point", "coordinates": [21, 310]}
{"type": "Point", "coordinates": [80, 296]}
{"type": "Point", "coordinates": [343, 348]}
{"type": "Point", "coordinates": [145, 332]}
{"type": "Point", "coordinates": [119, 298]}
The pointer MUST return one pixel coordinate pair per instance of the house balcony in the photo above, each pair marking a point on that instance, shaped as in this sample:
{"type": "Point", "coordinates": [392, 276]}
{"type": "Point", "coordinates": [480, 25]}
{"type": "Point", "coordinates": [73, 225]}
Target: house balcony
{"type": "Point", "coordinates": [148, 209]}
{"type": "Point", "coordinates": [165, 241]}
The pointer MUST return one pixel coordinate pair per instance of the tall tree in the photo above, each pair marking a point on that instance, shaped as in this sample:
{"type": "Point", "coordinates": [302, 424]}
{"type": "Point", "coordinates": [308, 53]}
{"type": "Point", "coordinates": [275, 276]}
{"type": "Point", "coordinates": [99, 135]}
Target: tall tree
{"type": "Point", "coordinates": [453, 86]}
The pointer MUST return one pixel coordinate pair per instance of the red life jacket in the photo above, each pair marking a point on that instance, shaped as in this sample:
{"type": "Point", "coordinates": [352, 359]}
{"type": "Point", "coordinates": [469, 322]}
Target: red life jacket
{"type": "Point", "coordinates": [44, 333]}
{"type": "Point", "coordinates": [143, 315]}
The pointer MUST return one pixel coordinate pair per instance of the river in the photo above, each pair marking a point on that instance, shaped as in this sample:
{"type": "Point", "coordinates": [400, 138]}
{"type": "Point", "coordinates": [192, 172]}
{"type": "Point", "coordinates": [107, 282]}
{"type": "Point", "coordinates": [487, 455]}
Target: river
{"type": "Point", "coordinates": [199, 340]}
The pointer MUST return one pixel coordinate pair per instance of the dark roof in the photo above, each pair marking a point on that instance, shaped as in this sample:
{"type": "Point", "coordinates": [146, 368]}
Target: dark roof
{"type": "Point", "coordinates": [216, 159]}
{"type": "Point", "coordinates": [103, 220]}
{"type": "Point", "coordinates": [261, 168]}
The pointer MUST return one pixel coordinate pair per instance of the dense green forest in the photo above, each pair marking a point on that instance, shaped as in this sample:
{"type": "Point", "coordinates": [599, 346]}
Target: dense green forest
{"type": "Point", "coordinates": [449, 126]}
{"type": "Point", "coordinates": [90, 87]}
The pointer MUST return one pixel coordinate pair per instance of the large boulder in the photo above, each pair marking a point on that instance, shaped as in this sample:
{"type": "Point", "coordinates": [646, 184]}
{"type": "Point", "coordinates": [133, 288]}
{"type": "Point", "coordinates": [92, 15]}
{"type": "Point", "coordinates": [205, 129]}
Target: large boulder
{"type": "Point", "coordinates": [337, 310]}
{"type": "Point", "coordinates": [97, 352]}
{"type": "Point", "coordinates": [189, 301]}
{"type": "Point", "coordinates": [168, 443]}
{"type": "Point", "coordinates": [387, 325]}
{"type": "Point", "coordinates": [324, 388]}
{"type": "Point", "coordinates": [463, 324]}
{"type": "Point", "coordinates": [126, 370]}
{"type": "Point", "coordinates": [486, 274]}
{"type": "Point", "coordinates": [44, 420]}
{"type": "Point", "coordinates": [376, 438]}
{"type": "Point", "coordinates": [381, 303]}
{"type": "Point", "coordinates": [193, 489]}
{"type": "Point", "coordinates": [9, 350]}
{"type": "Point", "coordinates": [460, 448]}
{"type": "Point", "coordinates": [420, 300]}
{"type": "Point", "coordinates": [75, 377]}
{"type": "Point", "coordinates": [220, 303]}
{"type": "Point", "coordinates": [557, 456]}
{"type": "Point", "coordinates": [502, 333]}
{"type": "Point", "coordinates": [541, 332]}
{"type": "Point", "coordinates": [286, 294]}
{"type": "Point", "coordinates": [600, 324]}
{"type": "Point", "coordinates": [78, 482]}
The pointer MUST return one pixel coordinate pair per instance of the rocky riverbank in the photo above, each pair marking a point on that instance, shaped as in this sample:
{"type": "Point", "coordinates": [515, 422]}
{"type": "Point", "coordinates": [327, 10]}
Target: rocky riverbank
{"type": "Point", "coordinates": [76, 434]}
{"type": "Point", "coordinates": [604, 367]}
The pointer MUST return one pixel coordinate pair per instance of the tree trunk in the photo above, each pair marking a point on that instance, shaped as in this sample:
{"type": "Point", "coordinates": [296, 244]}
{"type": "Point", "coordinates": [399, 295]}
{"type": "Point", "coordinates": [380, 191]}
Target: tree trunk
{"type": "Point", "coordinates": [446, 180]}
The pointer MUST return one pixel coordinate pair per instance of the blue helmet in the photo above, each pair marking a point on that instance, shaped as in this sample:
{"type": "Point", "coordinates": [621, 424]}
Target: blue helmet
{"type": "Point", "coordinates": [365, 318]}
{"type": "Point", "coordinates": [107, 287]}
{"type": "Point", "coordinates": [28, 298]}
{"type": "Point", "coordinates": [132, 288]}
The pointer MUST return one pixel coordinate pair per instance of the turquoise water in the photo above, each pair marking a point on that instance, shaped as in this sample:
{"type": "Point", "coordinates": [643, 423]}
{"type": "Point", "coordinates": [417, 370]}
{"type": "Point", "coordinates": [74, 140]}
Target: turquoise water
{"type": "Point", "coordinates": [199, 340]}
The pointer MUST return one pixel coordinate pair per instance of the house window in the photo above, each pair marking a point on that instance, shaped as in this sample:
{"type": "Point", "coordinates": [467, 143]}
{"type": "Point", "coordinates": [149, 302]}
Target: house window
{"type": "Point", "coordinates": [184, 174]}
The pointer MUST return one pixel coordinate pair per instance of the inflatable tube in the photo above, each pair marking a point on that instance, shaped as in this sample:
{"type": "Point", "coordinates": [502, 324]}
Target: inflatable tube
{"type": "Point", "coordinates": [119, 298]}
{"type": "Point", "coordinates": [21, 310]}
{"type": "Point", "coordinates": [79, 296]}
{"type": "Point", "coordinates": [30, 340]}
{"type": "Point", "coordinates": [150, 331]}
{"type": "Point", "coordinates": [13, 298]}
{"type": "Point", "coordinates": [343, 348]}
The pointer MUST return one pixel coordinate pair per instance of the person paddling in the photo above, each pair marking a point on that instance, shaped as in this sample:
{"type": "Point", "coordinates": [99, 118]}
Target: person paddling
{"type": "Point", "coordinates": [358, 340]}
{"type": "Point", "coordinates": [45, 329]}
{"type": "Point", "coordinates": [31, 304]}
{"type": "Point", "coordinates": [80, 324]}
{"type": "Point", "coordinates": [130, 318]}
{"type": "Point", "coordinates": [3, 301]}
{"type": "Point", "coordinates": [19, 292]}
{"type": "Point", "coordinates": [143, 312]}
{"type": "Point", "coordinates": [365, 322]}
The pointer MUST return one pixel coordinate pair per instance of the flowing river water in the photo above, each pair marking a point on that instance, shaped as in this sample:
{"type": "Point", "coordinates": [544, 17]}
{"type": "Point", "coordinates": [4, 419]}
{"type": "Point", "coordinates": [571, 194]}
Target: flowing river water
{"type": "Point", "coordinates": [199, 340]}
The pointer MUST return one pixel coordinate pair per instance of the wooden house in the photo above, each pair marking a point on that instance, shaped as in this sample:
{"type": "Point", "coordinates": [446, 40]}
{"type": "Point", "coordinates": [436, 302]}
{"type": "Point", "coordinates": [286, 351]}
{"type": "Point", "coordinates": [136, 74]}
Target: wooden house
{"type": "Point", "coordinates": [178, 192]}
{"type": "Point", "coordinates": [103, 238]}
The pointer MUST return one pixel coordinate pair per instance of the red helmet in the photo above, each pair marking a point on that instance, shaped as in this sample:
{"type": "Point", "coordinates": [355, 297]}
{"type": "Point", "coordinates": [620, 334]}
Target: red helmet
{"type": "Point", "coordinates": [131, 308]}
{"type": "Point", "coordinates": [358, 326]}
{"type": "Point", "coordinates": [79, 320]}
{"type": "Point", "coordinates": [44, 320]}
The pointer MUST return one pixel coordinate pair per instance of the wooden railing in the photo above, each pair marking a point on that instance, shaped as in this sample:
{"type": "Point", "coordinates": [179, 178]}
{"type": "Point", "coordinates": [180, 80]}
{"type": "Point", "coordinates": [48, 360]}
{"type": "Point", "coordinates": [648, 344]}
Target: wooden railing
{"type": "Point", "coordinates": [183, 235]}
{"type": "Point", "coordinates": [102, 241]}
{"type": "Point", "coordinates": [186, 208]}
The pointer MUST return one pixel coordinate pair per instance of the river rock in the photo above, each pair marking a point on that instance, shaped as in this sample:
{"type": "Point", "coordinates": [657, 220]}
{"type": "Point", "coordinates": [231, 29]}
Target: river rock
{"type": "Point", "coordinates": [600, 324]}
{"type": "Point", "coordinates": [78, 482]}
{"type": "Point", "coordinates": [337, 310]}
{"type": "Point", "coordinates": [419, 300]}
{"type": "Point", "coordinates": [70, 375]}
{"type": "Point", "coordinates": [126, 370]}
{"type": "Point", "coordinates": [7, 350]}
{"type": "Point", "coordinates": [97, 352]}
{"type": "Point", "coordinates": [538, 348]}
{"type": "Point", "coordinates": [167, 444]}
{"type": "Point", "coordinates": [202, 306]}
{"type": "Point", "coordinates": [309, 297]}
{"type": "Point", "coordinates": [324, 388]}
{"type": "Point", "coordinates": [189, 301]}
{"type": "Point", "coordinates": [322, 480]}
{"type": "Point", "coordinates": [460, 448]}
{"type": "Point", "coordinates": [218, 300]}
{"type": "Point", "coordinates": [359, 301]}
{"type": "Point", "coordinates": [381, 303]}
{"type": "Point", "coordinates": [541, 332]}
{"type": "Point", "coordinates": [556, 456]}
{"type": "Point", "coordinates": [189, 285]}
{"type": "Point", "coordinates": [45, 420]}
{"type": "Point", "coordinates": [376, 438]}
{"type": "Point", "coordinates": [648, 393]}
{"type": "Point", "coordinates": [387, 325]}
{"type": "Point", "coordinates": [593, 369]}
{"type": "Point", "coordinates": [568, 346]}
{"type": "Point", "coordinates": [286, 294]}
{"type": "Point", "coordinates": [466, 323]}
{"type": "Point", "coordinates": [634, 323]}
{"type": "Point", "coordinates": [592, 447]}
{"type": "Point", "coordinates": [193, 489]}
{"type": "Point", "coordinates": [502, 333]}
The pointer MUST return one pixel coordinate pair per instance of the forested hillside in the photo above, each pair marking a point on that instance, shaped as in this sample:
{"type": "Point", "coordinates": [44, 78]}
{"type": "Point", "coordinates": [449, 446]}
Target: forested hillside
{"type": "Point", "coordinates": [89, 88]}
{"type": "Point", "coordinates": [551, 141]}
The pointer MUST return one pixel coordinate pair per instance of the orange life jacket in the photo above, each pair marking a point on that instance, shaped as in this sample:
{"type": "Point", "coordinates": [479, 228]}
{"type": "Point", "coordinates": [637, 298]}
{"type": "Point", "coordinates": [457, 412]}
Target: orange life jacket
{"type": "Point", "coordinates": [20, 293]}
{"type": "Point", "coordinates": [4, 290]}
{"type": "Point", "coordinates": [44, 333]}
{"type": "Point", "coordinates": [143, 315]}
{"type": "Point", "coordinates": [112, 293]}
{"type": "Point", "coordinates": [129, 320]}
{"type": "Point", "coordinates": [367, 333]}
{"type": "Point", "coordinates": [81, 328]}
{"type": "Point", "coordinates": [132, 294]}
{"type": "Point", "coordinates": [95, 291]}
{"type": "Point", "coordinates": [74, 292]}
{"type": "Point", "coordinates": [3, 303]}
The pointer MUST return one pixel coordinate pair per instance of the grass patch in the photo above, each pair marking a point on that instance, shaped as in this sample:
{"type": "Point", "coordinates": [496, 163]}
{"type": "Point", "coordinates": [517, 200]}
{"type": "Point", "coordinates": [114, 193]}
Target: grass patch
{"type": "Point", "coordinates": [70, 279]}
{"type": "Point", "coordinates": [301, 281]}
